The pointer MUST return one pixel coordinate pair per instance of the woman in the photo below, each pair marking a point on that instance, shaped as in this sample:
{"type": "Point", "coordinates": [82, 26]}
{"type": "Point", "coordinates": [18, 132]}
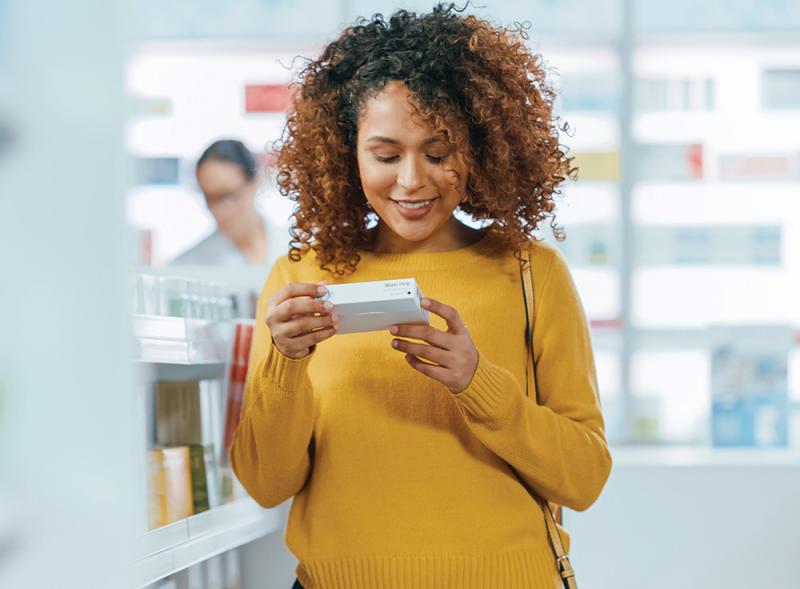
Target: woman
{"type": "Point", "coordinates": [226, 175]}
{"type": "Point", "coordinates": [406, 451]}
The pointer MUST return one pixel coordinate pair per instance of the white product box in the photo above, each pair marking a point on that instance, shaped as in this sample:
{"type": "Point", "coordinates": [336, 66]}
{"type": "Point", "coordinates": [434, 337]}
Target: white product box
{"type": "Point", "coordinates": [376, 306]}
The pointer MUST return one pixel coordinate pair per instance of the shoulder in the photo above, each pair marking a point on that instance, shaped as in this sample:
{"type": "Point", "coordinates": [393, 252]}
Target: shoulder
{"type": "Point", "coordinates": [212, 249]}
{"type": "Point", "coordinates": [543, 253]}
{"type": "Point", "coordinates": [543, 250]}
{"type": "Point", "coordinates": [549, 264]}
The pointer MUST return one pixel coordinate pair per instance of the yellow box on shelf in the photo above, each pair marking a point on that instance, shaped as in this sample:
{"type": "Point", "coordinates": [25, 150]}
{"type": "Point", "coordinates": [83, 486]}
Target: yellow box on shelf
{"type": "Point", "coordinates": [597, 165]}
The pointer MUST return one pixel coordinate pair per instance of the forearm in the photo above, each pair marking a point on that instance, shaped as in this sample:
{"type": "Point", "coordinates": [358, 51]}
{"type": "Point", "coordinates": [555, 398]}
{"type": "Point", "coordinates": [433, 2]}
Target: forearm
{"type": "Point", "coordinates": [270, 448]}
{"type": "Point", "coordinates": [563, 457]}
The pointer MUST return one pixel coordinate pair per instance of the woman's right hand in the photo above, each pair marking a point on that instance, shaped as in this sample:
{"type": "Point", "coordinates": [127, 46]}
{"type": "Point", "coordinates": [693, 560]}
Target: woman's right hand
{"type": "Point", "coordinates": [298, 321]}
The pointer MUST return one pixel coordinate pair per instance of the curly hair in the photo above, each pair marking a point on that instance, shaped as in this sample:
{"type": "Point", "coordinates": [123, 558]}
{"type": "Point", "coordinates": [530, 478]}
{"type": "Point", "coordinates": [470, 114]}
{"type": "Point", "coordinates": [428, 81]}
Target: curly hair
{"type": "Point", "coordinates": [477, 85]}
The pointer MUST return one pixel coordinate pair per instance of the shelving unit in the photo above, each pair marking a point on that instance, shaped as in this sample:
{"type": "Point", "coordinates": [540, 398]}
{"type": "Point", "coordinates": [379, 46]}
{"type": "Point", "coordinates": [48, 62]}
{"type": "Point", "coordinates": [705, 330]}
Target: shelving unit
{"type": "Point", "coordinates": [174, 547]}
{"type": "Point", "coordinates": [688, 249]}
{"type": "Point", "coordinates": [705, 457]}
{"type": "Point", "coordinates": [176, 348]}
{"type": "Point", "coordinates": [181, 341]}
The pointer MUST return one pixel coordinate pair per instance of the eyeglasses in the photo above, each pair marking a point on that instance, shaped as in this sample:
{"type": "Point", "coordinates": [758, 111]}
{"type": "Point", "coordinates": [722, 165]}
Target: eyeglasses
{"type": "Point", "coordinates": [226, 200]}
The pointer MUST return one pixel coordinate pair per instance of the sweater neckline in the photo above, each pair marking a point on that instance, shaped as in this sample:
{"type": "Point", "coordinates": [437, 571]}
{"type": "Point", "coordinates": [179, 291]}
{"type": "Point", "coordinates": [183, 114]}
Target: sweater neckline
{"type": "Point", "coordinates": [486, 246]}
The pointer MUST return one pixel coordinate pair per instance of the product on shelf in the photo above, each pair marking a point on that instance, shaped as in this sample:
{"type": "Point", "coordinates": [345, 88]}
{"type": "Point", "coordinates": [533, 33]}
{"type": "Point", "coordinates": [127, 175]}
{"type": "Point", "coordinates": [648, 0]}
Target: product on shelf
{"type": "Point", "coordinates": [158, 171]}
{"type": "Point", "coordinates": [595, 92]}
{"type": "Point", "coordinates": [200, 485]}
{"type": "Point", "coordinates": [756, 167]}
{"type": "Point", "coordinates": [174, 296]}
{"type": "Point", "coordinates": [781, 88]}
{"type": "Point", "coordinates": [669, 162]}
{"type": "Point", "coordinates": [674, 94]}
{"type": "Point", "coordinates": [231, 489]}
{"type": "Point", "coordinates": [238, 375]}
{"type": "Point", "coordinates": [590, 244]}
{"type": "Point", "coordinates": [213, 481]}
{"type": "Point", "coordinates": [259, 98]}
{"type": "Point", "coordinates": [145, 247]}
{"type": "Point", "coordinates": [170, 486]}
{"type": "Point", "coordinates": [178, 485]}
{"type": "Point", "coordinates": [709, 245]}
{"type": "Point", "coordinates": [749, 386]}
{"type": "Point", "coordinates": [187, 412]}
{"type": "Point", "coordinates": [601, 166]}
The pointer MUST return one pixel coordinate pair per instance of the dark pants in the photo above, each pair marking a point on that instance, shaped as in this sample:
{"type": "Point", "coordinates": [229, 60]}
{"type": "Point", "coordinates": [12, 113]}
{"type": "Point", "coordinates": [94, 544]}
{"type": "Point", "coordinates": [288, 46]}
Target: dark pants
{"type": "Point", "coordinates": [297, 585]}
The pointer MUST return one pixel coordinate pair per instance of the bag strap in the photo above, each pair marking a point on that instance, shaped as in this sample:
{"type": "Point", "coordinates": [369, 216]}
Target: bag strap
{"type": "Point", "coordinates": [531, 382]}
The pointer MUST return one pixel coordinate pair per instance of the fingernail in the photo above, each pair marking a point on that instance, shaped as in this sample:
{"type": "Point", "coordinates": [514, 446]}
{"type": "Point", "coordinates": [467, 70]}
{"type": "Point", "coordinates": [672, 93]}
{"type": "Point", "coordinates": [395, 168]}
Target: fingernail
{"type": "Point", "coordinates": [394, 343]}
{"type": "Point", "coordinates": [426, 302]}
{"type": "Point", "coordinates": [322, 290]}
{"type": "Point", "coordinates": [335, 318]}
{"type": "Point", "coordinates": [393, 329]}
{"type": "Point", "coordinates": [328, 306]}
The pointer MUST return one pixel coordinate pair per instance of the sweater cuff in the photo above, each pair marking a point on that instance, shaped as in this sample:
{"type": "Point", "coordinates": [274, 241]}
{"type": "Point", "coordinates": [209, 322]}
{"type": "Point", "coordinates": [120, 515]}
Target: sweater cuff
{"type": "Point", "coordinates": [489, 395]}
{"type": "Point", "coordinates": [286, 373]}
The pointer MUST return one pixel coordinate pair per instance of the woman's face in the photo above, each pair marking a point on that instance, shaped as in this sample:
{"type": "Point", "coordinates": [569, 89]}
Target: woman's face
{"type": "Point", "coordinates": [229, 195]}
{"type": "Point", "coordinates": [407, 174]}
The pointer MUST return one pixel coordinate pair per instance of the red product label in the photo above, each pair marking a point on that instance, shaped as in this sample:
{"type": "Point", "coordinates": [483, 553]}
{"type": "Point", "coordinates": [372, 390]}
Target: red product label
{"type": "Point", "coordinates": [695, 157]}
{"type": "Point", "coordinates": [242, 340]}
{"type": "Point", "coordinates": [267, 98]}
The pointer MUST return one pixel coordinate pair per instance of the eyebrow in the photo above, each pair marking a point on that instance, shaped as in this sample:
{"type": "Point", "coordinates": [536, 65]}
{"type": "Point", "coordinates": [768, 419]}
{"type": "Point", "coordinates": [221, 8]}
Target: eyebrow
{"type": "Point", "coordinates": [391, 141]}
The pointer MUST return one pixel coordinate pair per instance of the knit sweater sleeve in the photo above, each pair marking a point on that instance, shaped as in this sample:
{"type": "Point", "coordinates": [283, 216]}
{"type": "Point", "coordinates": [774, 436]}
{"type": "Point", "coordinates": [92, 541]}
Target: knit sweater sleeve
{"type": "Point", "coordinates": [270, 449]}
{"type": "Point", "coordinates": [557, 446]}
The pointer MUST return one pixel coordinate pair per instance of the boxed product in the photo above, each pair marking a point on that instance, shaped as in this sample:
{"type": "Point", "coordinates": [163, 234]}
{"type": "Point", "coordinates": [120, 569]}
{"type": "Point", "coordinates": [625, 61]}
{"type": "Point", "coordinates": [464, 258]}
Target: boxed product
{"type": "Point", "coordinates": [376, 306]}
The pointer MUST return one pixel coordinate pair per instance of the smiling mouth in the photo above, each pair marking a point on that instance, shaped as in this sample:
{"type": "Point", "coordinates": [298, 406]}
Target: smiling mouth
{"type": "Point", "coordinates": [414, 204]}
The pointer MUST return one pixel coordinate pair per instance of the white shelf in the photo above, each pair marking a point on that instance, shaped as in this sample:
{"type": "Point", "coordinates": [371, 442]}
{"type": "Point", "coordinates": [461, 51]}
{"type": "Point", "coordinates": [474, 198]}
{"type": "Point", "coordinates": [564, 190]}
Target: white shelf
{"type": "Point", "coordinates": [606, 334]}
{"type": "Point", "coordinates": [181, 544]}
{"type": "Point", "coordinates": [705, 457]}
{"type": "Point", "coordinates": [176, 340]}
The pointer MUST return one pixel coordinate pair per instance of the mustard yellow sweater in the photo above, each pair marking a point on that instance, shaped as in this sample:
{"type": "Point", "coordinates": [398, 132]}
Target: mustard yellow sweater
{"type": "Point", "coordinates": [399, 483]}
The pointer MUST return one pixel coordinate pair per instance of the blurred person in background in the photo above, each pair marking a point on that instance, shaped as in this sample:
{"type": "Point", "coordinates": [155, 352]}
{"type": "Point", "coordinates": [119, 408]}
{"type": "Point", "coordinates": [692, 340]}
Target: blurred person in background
{"type": "Point", "coordinates": [226, 175]}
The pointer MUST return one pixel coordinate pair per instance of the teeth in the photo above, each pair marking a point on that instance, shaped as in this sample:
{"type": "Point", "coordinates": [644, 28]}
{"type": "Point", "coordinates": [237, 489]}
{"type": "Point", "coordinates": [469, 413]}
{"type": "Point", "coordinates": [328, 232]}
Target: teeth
{"type": "Point", "coordinates": [414, 205]}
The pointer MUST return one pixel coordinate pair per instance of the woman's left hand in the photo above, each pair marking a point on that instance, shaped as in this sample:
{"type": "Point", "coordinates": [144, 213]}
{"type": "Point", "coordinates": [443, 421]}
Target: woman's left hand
{"type": "Point", "coordinates": [453, 352]}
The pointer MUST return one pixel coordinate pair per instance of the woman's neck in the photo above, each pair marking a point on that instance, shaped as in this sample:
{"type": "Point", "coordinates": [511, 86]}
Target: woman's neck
{"type": "Point", "coordinates": [452, 236]}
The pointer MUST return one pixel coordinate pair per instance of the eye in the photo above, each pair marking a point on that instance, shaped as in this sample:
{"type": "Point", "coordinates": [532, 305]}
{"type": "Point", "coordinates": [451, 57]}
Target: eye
{"type": "Point", "coordinates": [435, 159]}
{"type": "Point", "coordinates": [386, 160]}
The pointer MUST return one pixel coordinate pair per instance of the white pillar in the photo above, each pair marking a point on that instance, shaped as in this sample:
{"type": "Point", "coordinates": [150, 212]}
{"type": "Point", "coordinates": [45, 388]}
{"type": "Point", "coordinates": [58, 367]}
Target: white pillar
{"type": "Point", "coordinates": [68, 490]}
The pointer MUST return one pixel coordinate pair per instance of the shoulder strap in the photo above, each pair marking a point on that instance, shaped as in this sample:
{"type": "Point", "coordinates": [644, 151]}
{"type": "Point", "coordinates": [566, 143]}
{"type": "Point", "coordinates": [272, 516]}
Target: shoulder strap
{"type": "Point", "coordinates": [562, 560]}
{"type": "Point", "coordinates": [526, 273]}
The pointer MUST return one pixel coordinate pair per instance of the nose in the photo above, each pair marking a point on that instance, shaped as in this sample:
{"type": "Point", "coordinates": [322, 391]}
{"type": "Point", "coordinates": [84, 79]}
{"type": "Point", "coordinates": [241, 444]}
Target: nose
{"type": "Point", "coordinates": [411, 175]}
